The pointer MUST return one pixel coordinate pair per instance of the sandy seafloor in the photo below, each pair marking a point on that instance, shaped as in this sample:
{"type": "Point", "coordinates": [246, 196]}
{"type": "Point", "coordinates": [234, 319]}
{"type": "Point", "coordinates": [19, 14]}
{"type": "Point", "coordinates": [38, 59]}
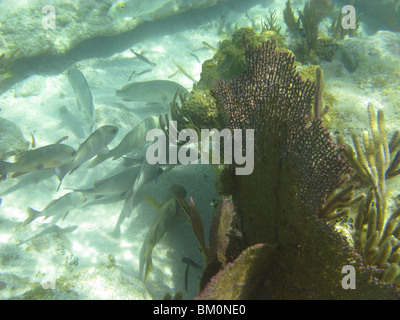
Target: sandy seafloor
{"type": "Point", "coordinates": [89, 263]}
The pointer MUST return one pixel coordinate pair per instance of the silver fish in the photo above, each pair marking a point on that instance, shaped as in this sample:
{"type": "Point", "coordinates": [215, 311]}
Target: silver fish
{"type": "Point", "coordinates": [167, 211]}
{"type": "Point", "coordinates": [134, 141]}
{"type": "Point", "coordinates": [147, 173]}
{"type": "Point", "coordinates": [119, 183]}
{"type": "Point", "coordinates": [57, 207]}
{"type": "Point", "coordinates": [52, 229]}
{"type": "Point", "coordinates": [47, 157]}
{"type": "Point", "coordinates": [96, 143]}
{"type": "Point", "coordinates": [142, 57]}
{"type": "Point", "coordinates": [184, 72]}
{"type": "Point", "coordinates": [83, 95]}
{"type": "Point", "coordinates": [156, 91]}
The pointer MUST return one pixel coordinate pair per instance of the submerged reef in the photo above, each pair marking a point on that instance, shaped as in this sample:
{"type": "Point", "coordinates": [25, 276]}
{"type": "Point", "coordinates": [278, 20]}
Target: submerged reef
{"type": "Point", "coordinates": [200, 108]}
{"type": "Point", "coordinates": [59, 26]}
{"type": "Point", "coordinates": [306, 40]}
{"type": "Point", "coordinates": [270, 237]}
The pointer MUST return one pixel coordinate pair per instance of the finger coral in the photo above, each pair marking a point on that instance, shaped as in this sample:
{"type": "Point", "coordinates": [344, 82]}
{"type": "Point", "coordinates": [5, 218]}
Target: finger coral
{"type": "Point", "coordinates": [291, 253]}
{"type": "Point", "coordinates": [376, 237]}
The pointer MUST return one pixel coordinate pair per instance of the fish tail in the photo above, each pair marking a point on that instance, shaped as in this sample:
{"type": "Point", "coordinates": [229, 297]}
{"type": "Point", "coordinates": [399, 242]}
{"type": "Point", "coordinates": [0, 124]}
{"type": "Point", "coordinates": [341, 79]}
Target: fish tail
{"type": "Point", "coordinates": [32, 214]}
{"type": "Point", "coordinates": [142, 259]}
{"type": "Point", "coordinates": [61, 172]}
{"type": "Point", "coordinates": [149, 266]}
{"type": "Point", "coordinates": [116, 232]}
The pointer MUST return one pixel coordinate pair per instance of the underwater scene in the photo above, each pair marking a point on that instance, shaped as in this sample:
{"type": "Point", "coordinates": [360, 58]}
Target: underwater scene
{"type": "Point", "coordinates": [199, 149]}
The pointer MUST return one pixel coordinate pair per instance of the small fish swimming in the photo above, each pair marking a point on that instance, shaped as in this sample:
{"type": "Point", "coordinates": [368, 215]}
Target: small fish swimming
{"type": "Point", "coordinates": [209, 46]}
{"type": "Point", "coordinates": [184, 72]}
{"type": "Point", "coordinates": [142, 57]}
{"type": "Point", "coordinates": [195, 56]}
{"type": "Point", "coordinates": [119, 183]}
{"type": "Point", "coordinates": [133, 142]}
{"type": "Point", "coordinates": [57, 207]}
{"type": "Point", "coordinates": [47, 157]}
{"type": "Point", "coordinates": [52, 229]}
{"type": "Point", "coordinates": [147, 173]}
{"type": "Point", "coordinates": [167, 211]}
{"type": "Point", "coordinates": [155, 91]}
{"type": "Point", "coordinates": [83, 95]}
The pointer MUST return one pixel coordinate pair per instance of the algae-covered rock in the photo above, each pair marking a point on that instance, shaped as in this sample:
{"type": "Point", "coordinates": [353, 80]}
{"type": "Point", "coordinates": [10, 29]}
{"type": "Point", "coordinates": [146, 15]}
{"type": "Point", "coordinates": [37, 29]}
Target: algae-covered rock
{"type": "Point", "coordinates": [58, 26]}
{"type": "Point", "coordinates": [11, 139]}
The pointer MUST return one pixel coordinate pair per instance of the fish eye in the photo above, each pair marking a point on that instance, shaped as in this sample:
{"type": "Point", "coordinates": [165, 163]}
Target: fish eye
{"type": "Point", "coordinates": [122, 5]}
{"type": "Point", "coordinates": [84, 199]}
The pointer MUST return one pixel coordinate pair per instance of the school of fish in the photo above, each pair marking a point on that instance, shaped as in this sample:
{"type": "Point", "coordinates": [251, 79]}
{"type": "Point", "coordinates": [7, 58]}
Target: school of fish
{"type": "Point", "coordinates": [25, 158]}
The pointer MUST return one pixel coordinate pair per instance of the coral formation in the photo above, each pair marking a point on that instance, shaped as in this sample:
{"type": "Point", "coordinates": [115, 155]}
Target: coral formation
{"type": "Point", "coordinates": [200, 108]}
{"type": "Point", "coordinates": [5, 65]}
{"type": "Point", "coordinates": [338, 32]}
{"type": "Point", "coordinates": [376, 160]}
{"type": "Point", "coordinates": [291, 251]}
{"type": "Point", "coordinates": [311, 16]}
{"type": "Point", "coordinates": [289, 18]}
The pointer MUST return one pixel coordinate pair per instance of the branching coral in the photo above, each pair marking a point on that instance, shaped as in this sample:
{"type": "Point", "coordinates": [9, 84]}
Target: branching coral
{"type": "Point", "coordinates": [271, 24]}
{"type": "Point", "coordinates": [311, 16]}
{"type": "Point", "coordinates": [377, 160]}
{"type": "Point", "coordinates": [289, 18]}
{"type": "Point", "coordinates": [276, 218]}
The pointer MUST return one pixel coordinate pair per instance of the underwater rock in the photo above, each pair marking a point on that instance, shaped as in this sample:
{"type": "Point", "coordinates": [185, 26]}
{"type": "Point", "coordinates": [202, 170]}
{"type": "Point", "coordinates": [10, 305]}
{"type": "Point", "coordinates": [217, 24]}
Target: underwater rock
{"type": "Point", "coordinates": [11, 139]}
{"type": "Point", "coordinates": [59, 27]}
